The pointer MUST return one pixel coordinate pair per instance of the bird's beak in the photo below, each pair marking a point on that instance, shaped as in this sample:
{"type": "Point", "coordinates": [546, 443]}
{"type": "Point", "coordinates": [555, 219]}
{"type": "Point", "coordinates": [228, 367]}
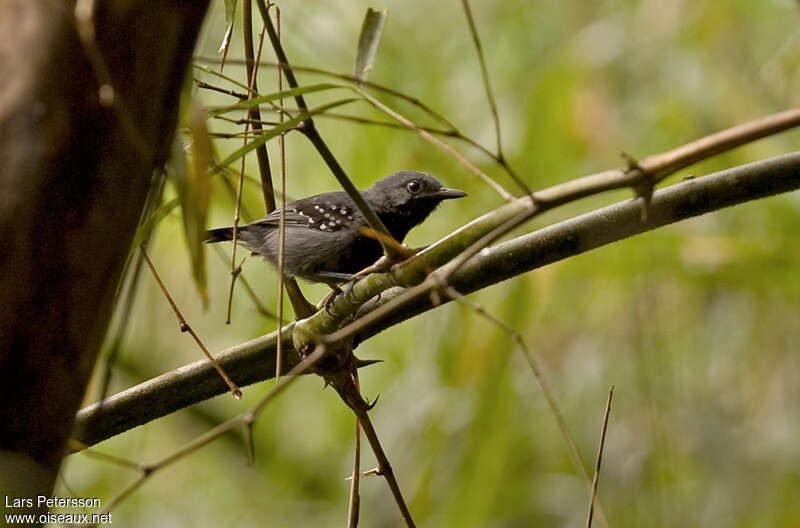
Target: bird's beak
{"type": "Point", "coordinates": [446, 194]}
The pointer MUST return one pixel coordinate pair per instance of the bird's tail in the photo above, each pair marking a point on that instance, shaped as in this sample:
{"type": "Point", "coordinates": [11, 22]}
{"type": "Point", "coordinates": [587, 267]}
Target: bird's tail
{"type": "Point", "coordinates": [218, 235]}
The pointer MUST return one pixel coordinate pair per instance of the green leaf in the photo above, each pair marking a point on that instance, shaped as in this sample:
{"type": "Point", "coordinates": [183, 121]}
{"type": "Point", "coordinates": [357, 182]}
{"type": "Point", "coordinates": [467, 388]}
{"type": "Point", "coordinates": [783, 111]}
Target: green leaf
{"type": "Point", "coordinates": [144, 230]}
{"type": "Point", "coordinates": [283, 127]}
{"type": "Point", "coordinates": [230, 18]}
{"type": "Point", "coordinates": [368, 41]}
{"type": "Point", "coordinates": [193, 184]}
{"type": "Point", "coordinates": [184, 103]}
{"type": "Point", "coordinates": [221, 75]}
{"type": "Point", "coordinates": [255, 101]}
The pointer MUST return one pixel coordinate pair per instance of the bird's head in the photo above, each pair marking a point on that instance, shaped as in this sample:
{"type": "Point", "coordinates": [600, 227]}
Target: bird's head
{"type": "Point", "coordinates": [409, 190]}
{"type": "Point", "coordinates": [404, 199]}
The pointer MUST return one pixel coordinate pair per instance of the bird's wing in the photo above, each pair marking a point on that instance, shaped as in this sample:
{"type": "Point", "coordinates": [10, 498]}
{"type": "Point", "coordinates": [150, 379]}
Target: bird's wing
{"type": "Point", "coordinates": [292, 218]}
{"type": "Point", "coordinates": [325, 212]}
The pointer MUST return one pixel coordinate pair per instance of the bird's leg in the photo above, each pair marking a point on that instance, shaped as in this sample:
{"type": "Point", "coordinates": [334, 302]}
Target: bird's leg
{"type": "Point", "coordinates": [349, 288]}
{"type": "Point", "coordinates": [333, 279]}
{"type": "Point", "coordinates": [335, 290]}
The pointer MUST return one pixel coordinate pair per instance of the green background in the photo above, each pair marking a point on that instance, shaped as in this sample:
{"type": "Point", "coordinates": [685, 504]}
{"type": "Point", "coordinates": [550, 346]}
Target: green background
{"type": "Point", "coordinates": [695, 324]}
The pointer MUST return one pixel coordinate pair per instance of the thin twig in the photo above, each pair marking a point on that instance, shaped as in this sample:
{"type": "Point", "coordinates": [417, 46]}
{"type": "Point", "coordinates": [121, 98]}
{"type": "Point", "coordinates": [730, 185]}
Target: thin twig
{"type": "Point", "coordinates": [184, 326]}
{"type": "Point", "coordinates": [253, 112]}
{"type": "Point", "coordinates": [301, 306]}
{"type": "Point", "coordinates": [233, 93]}
{"type": "Point", "coordinates": [451, 129]}
{"type": "Point", "coordinates": [662, 165]}
{"type": "Point", "coordinates": [248, 288]}
{"type": "Point", "coordinates": [233, 135]}
{"type": "Point", "coordinates": [593, 230]}
{"type": "Point", "coordinates": [438, 143]}
{"type": "Point", "coordinates": [221, 75]}
{"type": "Point", "coordinates": [235, 236]}
{"type": "Point", "coordinates": [116, 344]}
{"type": "Point", "coordinates": [533, 362]}
{"type": "Point", "coordinates": [310, 131]}
{"type": "Point", "coordinates": [154, 197]}
{"type": "Point", "coordinates": [452, 133]}
{"type": "Point", "coordinates": [361, 408]}
{"type": "Point", "coordinates": [499, 157]}
{"type": "Point", "coordinates": [227, 176]}
{"type": "Point", "coordinates": [282, 217]}
{"type": "Point", "coordinates": [603, 428]}
{"type": "Point", "coordinates": [124, 494]}
{"type": "Point", "coordinates": [261, 151]}
{"type": "Point", "coordinates": [346, 77]}
{"type": "Point", "coordinates": [646, 173]}
{"type": "Point", "coordinates": [249, 443]}
{"type": "Point", "coordinates": [246, 418]}
{"type": "Point", "coordinates": [235, 272]}
{"type": "Point", "coordinates": [497, 223]}
{"type": "Point", "coordinates": [119, 461]}
{"type": "Point", "coordinates": [485, 74]}
{"type": "Point", "coordinates": [354, 499]}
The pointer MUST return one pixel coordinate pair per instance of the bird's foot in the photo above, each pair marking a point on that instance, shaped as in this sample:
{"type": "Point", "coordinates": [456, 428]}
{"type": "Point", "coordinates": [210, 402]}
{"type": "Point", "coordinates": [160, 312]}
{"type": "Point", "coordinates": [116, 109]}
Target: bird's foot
{"type": "Point", "coordinates": [330, 298]}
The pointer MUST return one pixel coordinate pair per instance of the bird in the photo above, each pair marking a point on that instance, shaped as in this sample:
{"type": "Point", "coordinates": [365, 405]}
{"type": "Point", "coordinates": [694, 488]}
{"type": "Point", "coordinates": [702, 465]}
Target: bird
{"type": "Point", "coordinates": [325, 240]}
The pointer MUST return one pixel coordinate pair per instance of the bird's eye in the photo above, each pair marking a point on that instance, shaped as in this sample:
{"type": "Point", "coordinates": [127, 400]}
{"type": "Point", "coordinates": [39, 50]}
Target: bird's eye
{"type": "Point", "coordinates": [414, 187]}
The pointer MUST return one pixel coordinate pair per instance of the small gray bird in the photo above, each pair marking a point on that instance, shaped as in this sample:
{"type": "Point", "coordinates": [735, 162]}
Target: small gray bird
{"type": "Point", "coordinates": [324, 238]}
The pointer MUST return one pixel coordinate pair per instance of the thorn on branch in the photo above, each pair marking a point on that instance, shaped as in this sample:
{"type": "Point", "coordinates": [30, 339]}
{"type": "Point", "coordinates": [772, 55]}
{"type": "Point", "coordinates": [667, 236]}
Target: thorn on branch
{"type": "Point", "coordinates": [630, 162]}
{"type": "Point", "coordinates": [371, 405]}
{"type": "Point", "coordinates": [367, 362]}
{"type": "Point", "coordinates": [643, 189]}
{"type": "Point", "coordinates": [374, 472]}
{"type": "Point", "coordinates": [249, 442]}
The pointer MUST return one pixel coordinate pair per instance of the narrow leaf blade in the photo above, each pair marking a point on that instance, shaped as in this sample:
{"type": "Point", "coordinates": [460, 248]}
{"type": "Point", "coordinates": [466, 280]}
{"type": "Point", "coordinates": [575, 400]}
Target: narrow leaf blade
{"type": "Point", "coordinates": [371, 31]}
{"type": "Point", "coordinates": [272, 132]}
{"type": "Point", "coordinates": [261, 99]}
{"type": "Point", "coordinates": [144, 230]}
{"type": "Point", "coordinates": [230, 18]}
{"type": "Point", "coordinates": [193, 184]}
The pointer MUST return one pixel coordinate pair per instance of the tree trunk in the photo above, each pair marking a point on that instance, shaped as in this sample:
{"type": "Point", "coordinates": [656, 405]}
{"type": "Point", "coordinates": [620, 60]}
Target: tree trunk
{"type": "Point", "coordinates": [76, 166]}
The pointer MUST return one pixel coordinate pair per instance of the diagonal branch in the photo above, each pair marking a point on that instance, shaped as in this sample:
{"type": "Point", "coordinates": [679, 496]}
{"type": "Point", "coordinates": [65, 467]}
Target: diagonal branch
{"type": "Point", "coordinates": [596, 478]}
{"type": "Point", "coordinates": [249, 362]}
{"type": "Point", "coordinates": [349, 392]}
{"type": "Point", "coordinates": [310, 131]}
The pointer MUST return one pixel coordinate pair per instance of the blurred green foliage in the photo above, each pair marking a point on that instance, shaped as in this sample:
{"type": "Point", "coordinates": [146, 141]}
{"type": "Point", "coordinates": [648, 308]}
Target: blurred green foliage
{"type": "Point", "coordinates": [695, 324]}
